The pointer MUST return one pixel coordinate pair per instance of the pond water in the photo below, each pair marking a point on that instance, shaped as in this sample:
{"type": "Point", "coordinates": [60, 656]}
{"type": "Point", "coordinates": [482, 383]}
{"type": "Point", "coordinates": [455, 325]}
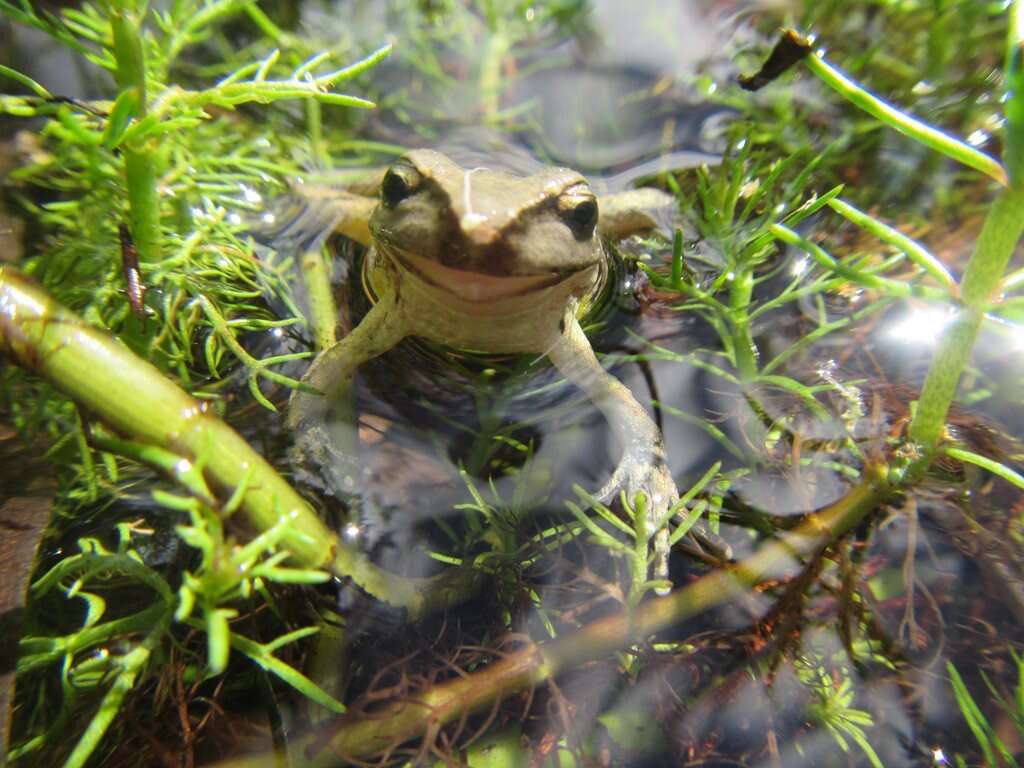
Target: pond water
{"type": "Point", "coordinates": [896, 644]}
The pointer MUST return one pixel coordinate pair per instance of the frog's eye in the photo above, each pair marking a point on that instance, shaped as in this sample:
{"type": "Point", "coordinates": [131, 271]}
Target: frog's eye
{"type": "Point", "coordinates": [400, 181]}
{"type": "Point", "coordinates": [579, 212]}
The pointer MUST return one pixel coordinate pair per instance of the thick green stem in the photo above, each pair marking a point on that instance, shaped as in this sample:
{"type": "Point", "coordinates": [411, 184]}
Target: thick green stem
{"type": "Point", "coordinates": [131, 58]}
{"type": "Point", "coordinates": [137, 401]}
{"type": "Point", "coordinates": [1013, 107]}
{"type": "Point", "coordinates": [140, 161]}
{"type": "Point", "coordinates": [979, 286]}
{"type": "Point", "coordinates": [140, 169]}
{"type": "Point", "coordinates": [943, 375]}
{"type": "Point", "coordinates": [999, 236]}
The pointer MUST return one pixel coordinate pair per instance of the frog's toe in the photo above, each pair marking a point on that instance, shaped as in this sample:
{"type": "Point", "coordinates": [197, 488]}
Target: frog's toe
{"type": "Point", "coordinates": [655, 482]}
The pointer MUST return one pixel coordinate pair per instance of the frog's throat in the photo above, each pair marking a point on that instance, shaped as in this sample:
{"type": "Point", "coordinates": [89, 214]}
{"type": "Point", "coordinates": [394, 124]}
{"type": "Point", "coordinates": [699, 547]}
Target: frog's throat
{"type": "Point", "coordinates": [473, 286]}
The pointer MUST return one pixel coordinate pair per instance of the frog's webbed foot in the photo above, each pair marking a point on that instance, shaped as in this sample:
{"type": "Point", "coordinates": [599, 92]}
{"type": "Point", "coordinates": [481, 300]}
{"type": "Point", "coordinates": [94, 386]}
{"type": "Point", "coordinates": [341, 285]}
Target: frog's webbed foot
{"type": "Point", "coordinates": [645, 472]}
{"type": "Point", "coordinates": [642, 468]}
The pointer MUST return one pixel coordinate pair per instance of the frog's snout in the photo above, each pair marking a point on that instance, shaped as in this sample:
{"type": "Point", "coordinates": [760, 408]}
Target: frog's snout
{"type": "Point", "coordinates": [478, 230]}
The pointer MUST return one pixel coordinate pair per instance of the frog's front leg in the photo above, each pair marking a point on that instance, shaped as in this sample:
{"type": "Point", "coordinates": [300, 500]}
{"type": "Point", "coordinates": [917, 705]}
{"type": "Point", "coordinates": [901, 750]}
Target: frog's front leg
{"type": "Point", "coordinates": [323, 422]}
{"type": "Point", "coordinates": [643, 467]}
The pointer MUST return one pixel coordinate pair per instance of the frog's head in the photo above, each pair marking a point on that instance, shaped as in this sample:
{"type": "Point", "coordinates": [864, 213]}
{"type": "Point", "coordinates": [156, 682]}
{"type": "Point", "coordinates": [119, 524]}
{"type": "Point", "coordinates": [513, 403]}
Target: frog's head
{"type": "Point", "coordinates": [483, 234]}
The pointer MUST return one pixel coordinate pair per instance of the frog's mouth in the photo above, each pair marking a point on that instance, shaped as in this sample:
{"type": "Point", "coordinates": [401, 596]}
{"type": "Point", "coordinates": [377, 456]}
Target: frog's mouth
{"type": "Point", "coordinates": [475, 286]}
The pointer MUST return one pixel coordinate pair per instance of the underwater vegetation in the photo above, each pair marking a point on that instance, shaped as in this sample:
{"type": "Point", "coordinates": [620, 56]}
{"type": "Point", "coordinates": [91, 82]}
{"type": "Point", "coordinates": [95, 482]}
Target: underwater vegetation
{"type": "Point", "coordinates": [827, 329]}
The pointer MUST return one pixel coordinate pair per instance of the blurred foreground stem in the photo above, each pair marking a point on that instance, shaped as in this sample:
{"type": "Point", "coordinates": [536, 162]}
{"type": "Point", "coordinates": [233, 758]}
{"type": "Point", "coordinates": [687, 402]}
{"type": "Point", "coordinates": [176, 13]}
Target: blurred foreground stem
{"type": "Point", "coordinates": [427, 710]}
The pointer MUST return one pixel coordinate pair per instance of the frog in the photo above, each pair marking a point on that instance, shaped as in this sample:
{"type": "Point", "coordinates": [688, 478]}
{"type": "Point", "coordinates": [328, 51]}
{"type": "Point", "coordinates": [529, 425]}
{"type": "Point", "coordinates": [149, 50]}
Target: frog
{"type": "Point", "coordinates": [494, 262]}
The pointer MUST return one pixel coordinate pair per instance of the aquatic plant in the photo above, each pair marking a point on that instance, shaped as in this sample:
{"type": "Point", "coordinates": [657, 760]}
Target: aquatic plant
{"type": "Point", "coordinates": [173, 183]}
{"type": "Point", "coordinates": [169, 167]}
{"type": "Point", "coordinates": [989, 741]}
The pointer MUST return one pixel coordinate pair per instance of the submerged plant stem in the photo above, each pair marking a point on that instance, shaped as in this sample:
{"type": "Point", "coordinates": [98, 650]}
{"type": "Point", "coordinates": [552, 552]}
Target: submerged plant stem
{"type": "Point", "coordinates": [432, 708]}
{"type": "Point", "coordinates": [940, 384]}
{"type": "Point", "coordinates": [999, 236]}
